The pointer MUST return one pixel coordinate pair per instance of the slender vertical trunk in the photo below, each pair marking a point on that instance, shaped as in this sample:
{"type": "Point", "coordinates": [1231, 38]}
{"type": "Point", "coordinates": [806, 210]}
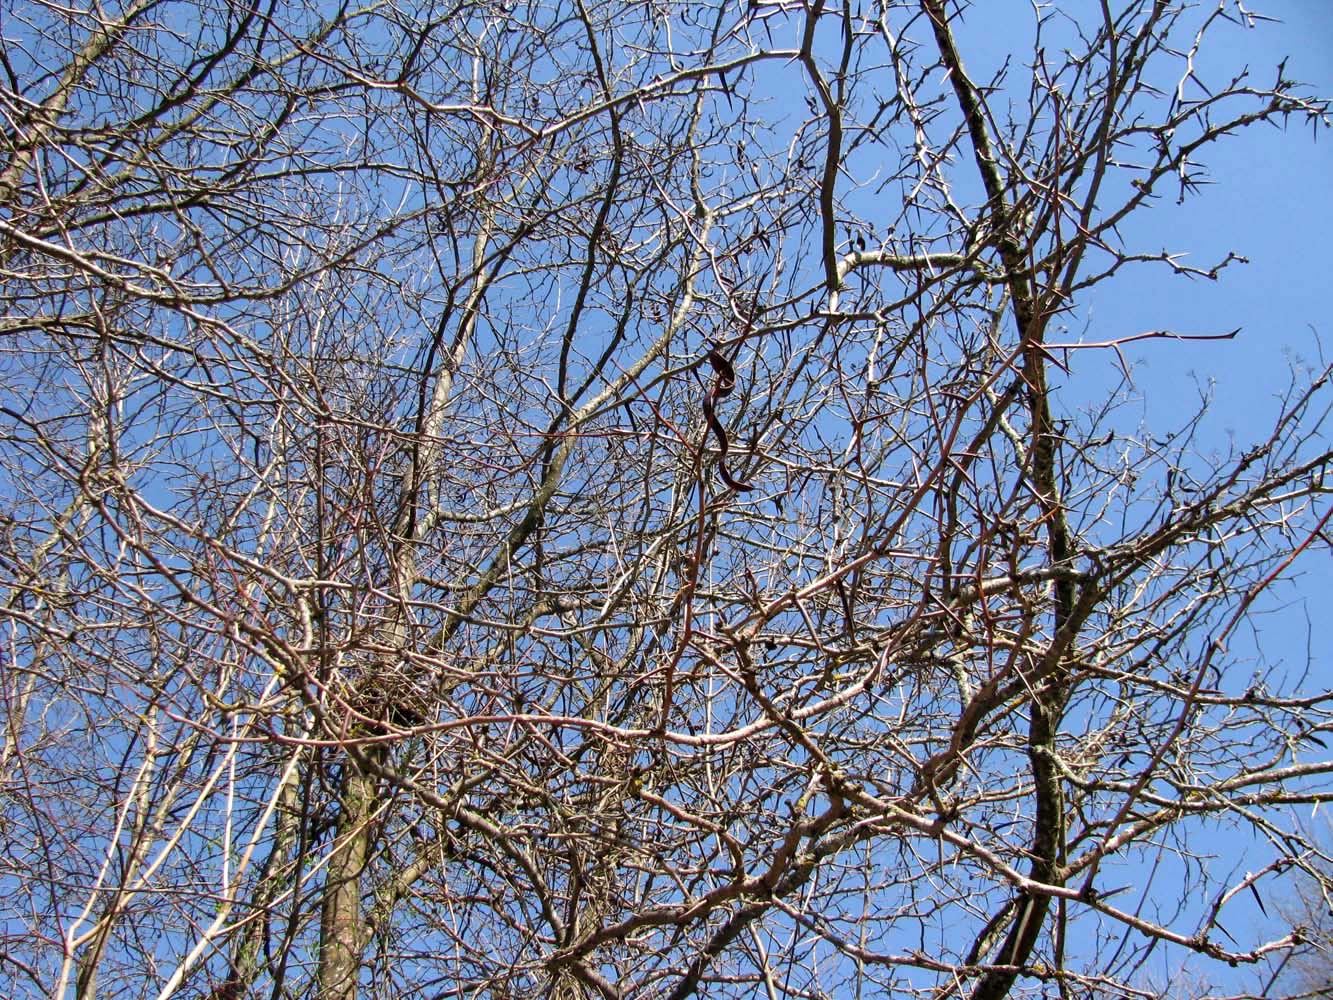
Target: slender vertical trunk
{"type": "Point", "coordinates": [343, 928]}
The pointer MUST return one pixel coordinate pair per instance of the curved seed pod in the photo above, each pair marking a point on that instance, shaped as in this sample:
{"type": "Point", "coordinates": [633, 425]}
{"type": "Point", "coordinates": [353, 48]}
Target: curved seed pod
{"type": "Point", "coordinates": [726, 381]}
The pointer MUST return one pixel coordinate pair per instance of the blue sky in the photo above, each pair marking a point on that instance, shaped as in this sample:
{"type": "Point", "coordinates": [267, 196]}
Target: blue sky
{"type": "Point", "coordinates": [1270, 200]}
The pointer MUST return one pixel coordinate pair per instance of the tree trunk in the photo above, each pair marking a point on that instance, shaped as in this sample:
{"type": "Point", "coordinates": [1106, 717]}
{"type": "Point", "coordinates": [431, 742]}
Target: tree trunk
{"type": "Point", "coordinates": [343, 932]}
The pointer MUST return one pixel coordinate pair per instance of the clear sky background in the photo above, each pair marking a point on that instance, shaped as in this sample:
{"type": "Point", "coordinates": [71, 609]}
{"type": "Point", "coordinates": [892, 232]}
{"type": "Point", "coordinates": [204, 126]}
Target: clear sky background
{"type": "Point", "coordinates": [1264, 194]}
{"type": "Point", "coordinates": [1271, 201]}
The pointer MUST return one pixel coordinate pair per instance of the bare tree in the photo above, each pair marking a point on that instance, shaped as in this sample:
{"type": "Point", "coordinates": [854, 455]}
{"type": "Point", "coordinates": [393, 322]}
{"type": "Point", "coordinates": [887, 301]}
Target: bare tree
{"type": "Point", "coordinates": [1307, 908]}
{"type": "Point", "coordinates": [517, 500]}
